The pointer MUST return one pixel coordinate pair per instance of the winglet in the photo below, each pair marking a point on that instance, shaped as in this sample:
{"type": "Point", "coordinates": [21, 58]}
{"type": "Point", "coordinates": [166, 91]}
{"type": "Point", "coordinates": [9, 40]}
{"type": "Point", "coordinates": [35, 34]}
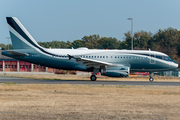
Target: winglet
{"type": "Point", "coordinates": [75, 57]}
{"type": "Point", "coordinates": [70, 56]}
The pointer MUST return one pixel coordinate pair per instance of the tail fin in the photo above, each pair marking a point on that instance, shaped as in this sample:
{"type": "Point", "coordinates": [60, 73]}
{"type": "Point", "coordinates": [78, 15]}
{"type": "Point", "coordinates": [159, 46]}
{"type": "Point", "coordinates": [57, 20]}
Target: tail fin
{"type": "Point", "coordinates": [20, 37]}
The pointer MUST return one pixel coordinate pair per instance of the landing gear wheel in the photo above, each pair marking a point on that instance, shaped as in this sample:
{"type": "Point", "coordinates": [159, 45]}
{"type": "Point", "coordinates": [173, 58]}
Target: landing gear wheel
{"type": "Point", "coordinates": [126, 75]}
{"type": "Point", "coordinates": [93, 78]}
{"type": "Point", "coordinates": [151, 79]}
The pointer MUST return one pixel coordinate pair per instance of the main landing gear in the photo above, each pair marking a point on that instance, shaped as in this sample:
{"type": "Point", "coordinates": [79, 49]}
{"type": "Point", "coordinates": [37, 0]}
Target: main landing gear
{"type": "Point", "coordinates": [93, 76]}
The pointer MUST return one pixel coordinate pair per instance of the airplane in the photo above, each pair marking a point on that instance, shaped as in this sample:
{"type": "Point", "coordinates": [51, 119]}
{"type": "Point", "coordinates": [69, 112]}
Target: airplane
{"type": "Point", "coordinates": [112, 63]}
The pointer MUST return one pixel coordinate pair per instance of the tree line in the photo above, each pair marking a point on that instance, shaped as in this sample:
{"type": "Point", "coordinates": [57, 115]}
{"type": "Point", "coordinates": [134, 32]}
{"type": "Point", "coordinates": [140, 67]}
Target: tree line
{"type": "Point", "coordinates": [166, 41]}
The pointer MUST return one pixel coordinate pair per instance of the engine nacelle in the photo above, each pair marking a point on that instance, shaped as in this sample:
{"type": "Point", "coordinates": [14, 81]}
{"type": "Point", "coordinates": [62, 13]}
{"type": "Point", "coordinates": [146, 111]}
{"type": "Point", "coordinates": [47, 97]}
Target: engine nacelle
{"type": "Point", "coordinates": [116, 71]}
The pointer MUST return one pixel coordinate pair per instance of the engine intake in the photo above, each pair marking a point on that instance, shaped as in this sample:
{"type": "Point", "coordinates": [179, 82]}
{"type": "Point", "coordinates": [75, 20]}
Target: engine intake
{"type": "Point", "coordinates": [116, 72]}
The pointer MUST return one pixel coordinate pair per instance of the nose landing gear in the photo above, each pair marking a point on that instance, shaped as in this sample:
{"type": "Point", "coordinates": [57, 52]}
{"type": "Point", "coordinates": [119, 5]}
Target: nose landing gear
{"type": "Point", "coordinates": [151, 79]}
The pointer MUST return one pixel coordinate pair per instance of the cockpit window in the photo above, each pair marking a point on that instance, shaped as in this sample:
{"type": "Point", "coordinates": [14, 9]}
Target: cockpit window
{"type": "Point", "coordinates": [168, 58]}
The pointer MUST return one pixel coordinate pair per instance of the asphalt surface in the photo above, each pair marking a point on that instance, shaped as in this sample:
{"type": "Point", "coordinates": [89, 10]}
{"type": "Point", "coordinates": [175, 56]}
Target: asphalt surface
{"type": "Point", "coordinates": [34, 81]}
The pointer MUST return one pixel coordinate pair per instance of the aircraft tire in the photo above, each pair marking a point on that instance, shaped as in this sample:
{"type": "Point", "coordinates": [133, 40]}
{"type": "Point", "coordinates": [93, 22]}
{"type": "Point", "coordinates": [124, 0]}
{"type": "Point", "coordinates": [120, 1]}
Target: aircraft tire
{"type": "Point", "coordinates": [151, 79]}
{"type": "Point", "coordinates": [93, 78]}
{"type": "Point", "coordinates": [126, 75]}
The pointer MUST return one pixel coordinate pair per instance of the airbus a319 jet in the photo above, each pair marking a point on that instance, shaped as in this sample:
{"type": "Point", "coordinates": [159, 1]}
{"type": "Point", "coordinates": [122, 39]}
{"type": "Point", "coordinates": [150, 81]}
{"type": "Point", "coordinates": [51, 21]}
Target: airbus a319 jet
{"type": "Point", "coordinates": [113, 63]}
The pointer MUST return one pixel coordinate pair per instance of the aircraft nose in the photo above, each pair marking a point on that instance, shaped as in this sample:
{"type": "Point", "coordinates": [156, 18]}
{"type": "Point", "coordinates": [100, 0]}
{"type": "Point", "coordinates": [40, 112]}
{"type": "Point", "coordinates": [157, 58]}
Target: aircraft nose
{"type": "Point", "coordinates": [175, 65]}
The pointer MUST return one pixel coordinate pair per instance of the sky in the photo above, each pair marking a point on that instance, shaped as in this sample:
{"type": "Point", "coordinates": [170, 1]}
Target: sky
{"type": "Point", "coordinates": [69, 20]}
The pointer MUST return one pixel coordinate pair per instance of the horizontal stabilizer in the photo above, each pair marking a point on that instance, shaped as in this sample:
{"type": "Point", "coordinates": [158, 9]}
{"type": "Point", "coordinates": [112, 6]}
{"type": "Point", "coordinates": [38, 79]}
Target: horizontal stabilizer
{"type": "Point", "coordinates": [16, 53]}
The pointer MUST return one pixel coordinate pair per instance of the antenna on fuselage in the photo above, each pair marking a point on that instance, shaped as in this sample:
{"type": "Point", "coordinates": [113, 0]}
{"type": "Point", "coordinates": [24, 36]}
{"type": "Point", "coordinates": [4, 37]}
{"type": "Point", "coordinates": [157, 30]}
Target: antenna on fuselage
{"type": "Point", "coordinates": [149, 49]}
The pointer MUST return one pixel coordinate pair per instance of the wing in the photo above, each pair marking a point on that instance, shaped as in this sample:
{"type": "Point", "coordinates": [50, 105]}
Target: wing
{"type": "Point", "coordinates": [93, 63]}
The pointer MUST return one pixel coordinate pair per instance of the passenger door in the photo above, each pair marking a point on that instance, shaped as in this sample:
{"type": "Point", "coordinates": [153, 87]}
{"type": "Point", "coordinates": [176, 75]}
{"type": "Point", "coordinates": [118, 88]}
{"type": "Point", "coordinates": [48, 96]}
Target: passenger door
{"type": "Point", "coordinates": [152, 60]}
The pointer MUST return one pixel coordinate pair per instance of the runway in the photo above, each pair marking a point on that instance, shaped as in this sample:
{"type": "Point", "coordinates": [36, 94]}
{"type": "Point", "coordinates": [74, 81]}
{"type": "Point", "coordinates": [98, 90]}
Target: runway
{"type": "Point", "coordinates": [34, 81]}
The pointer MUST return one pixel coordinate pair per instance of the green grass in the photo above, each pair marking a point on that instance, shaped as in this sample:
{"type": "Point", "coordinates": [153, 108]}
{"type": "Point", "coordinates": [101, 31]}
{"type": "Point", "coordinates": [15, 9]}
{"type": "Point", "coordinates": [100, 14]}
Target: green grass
{"type": "Point", "coordinates": [10, 83]}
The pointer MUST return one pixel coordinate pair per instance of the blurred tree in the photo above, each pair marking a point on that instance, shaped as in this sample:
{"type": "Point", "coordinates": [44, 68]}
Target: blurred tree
{"type": "Point", "coordinates": [108, 43]}
{"type": "Point", "coordinates": [141, 40]}
{"type": "Point", "coordinates": [91, 41]}
{"type": "Point", "coordinates": [69, 44]}
{"type": "Point", "coordinates": [78, 43]}
{"type": "Point", "coordinates": [167, 41]}
{"type": "Point", "coordinates": [128, 40]}
{"type": "Point", "coordinates": [3, 46]}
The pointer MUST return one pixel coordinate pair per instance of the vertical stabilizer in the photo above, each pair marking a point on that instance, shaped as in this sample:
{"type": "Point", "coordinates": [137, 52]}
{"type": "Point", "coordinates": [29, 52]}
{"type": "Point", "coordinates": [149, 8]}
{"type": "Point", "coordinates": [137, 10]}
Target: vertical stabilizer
{"type": "Point", "coordinates": [20, 37]}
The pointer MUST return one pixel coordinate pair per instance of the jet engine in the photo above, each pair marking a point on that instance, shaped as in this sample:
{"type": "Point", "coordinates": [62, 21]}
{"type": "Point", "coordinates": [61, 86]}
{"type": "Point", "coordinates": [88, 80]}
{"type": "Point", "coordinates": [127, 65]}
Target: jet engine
{"type": "Point", "coordinates": [116, 71]}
